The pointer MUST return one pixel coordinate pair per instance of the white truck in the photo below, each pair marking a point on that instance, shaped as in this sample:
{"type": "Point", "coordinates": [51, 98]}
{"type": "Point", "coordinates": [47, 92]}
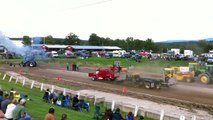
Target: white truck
{"type": "Point", "coordinates": [118, 53]}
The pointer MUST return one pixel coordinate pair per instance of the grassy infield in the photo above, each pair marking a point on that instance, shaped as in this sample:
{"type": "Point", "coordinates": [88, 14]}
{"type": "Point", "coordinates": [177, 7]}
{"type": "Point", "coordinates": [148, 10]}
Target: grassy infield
{"type": "Point", "coordinates": [37, 108]}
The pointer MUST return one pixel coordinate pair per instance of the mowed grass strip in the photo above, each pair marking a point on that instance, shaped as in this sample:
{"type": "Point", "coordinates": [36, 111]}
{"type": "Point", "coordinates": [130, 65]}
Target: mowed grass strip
{"type": "Point", "coordinates": [38, 109]}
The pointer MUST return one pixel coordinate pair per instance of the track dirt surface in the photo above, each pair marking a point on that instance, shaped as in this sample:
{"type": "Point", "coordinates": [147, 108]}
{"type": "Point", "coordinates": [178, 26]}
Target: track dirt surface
{"type": "Point", "coordinates": [187, 95]}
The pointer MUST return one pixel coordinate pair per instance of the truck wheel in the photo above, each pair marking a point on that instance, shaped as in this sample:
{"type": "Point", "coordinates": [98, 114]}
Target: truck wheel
{"type": "Point", "coordinates": [204, 78]}
{"type": "Point", "coordinates": [31, 64]}
{"type": "Point", "coordinates": [108, 79]}
{"type": "Point", "coordinates": [188, 80]}
{"type": "Point", "coordinates": [147, 85]}
{"type": "Point", "coordinates": [94, 78]}
{"type": "Point", "coordinates": [158, 86]}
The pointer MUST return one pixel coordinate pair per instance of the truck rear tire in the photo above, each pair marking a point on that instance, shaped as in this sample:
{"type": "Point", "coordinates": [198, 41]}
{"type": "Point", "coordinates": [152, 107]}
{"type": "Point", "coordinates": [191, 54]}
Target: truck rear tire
{"type": "Point", "coordinates": [204, 78]}
{"type": "Point", "coordinates": [31, 64]}
{"type": "Point", "coordinates": [94, 78]}
{"type": "Point", "coordinates": [147, 85]}
{"type": "Point", "coordinates": [158, 86]}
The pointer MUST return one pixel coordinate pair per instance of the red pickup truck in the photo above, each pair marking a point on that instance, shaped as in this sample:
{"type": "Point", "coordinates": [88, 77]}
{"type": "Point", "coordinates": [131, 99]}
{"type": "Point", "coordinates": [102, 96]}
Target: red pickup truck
{"type": "Point", "coordinates": [104, 73]}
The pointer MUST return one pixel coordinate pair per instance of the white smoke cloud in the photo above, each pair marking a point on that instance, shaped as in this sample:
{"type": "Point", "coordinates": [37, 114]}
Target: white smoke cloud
{"type": "Point", "coordinates": [11, 47]}
{"type": "Point", "coordinates": [26, 52]}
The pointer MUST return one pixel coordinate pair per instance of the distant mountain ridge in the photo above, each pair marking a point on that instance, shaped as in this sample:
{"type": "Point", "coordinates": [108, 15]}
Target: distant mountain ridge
{"type": "Point", "coordinates": [182, 41]}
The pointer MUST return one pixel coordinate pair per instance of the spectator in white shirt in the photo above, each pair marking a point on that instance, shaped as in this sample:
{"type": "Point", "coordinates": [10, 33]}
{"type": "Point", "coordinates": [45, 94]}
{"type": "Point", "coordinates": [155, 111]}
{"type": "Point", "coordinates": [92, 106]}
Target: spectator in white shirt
{"type": "Point", "coordinates": [9, 110]}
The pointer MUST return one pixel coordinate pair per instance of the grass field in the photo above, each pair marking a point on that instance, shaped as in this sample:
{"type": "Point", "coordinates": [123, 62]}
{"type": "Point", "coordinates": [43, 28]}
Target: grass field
{"type": "Point", "coordinates": [95, 61]}
{"type": "Point", "coordinates": [38, 109]}
{"type": "Point", "coordinates": [155, 66]}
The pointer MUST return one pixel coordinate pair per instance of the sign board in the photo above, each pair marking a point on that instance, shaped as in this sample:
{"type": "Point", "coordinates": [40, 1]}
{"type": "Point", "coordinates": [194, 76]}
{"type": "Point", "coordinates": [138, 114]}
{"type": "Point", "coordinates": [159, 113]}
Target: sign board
{"type": "Point", "coordinates": [184, 69]}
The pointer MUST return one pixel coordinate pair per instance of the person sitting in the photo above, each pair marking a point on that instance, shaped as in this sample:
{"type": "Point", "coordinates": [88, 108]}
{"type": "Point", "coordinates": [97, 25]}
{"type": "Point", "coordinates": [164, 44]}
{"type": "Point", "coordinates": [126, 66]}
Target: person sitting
{"type": "Point", "coordinates": [64, 116]}
{"type": "Point", "coordinates": [75, 102]}
{"type": "Point", "coordinates": [46, 96]}
{"type": "Point", "coordinates": [1, 115]}
{"type": "Point", "coordinates": [117, 115]}
{"type": "Point", "coordinates": [20, 112]}
{"type": "Point", "coordinates": [17, 96]}
{"type": "Point", "coordinates": [66, 101]}
{"type": "Point", "coordinates": [141, 118]}
{"type": "Point", "coordinates": [5, 102]}
{"type": "Point", "coordinates": [53, 98]}
{"type": "Point", "coordinates": [1, 97]}
{"type": "Point", "coordinates": [129, 116]}
{"type": "Point", "coordinates": [50, 114]}
{"type": "Point", "coordinates": [60, 100]}
{"type": "Point", "coordinates": [9, 111]}
{"type": "Point", "coordinates": [108, 114]}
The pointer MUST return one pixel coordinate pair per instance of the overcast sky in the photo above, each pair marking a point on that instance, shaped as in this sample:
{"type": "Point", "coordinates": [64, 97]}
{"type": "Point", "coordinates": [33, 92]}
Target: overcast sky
{"type": "Point", "coordinates": [141, 19]}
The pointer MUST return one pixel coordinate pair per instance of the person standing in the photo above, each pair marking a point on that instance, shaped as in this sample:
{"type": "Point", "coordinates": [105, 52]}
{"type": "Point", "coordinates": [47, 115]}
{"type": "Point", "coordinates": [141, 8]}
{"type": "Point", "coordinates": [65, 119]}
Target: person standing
{"type": "Point", "coordinates": [50, 114]}
{"type": "Point", "coordinates": [68, 66]}
{"type": "Point", "coordinates": [77, 66]}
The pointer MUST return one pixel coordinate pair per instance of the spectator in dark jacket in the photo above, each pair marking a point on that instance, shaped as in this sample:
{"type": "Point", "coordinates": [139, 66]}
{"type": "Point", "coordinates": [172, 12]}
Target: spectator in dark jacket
{"type": "Point", "coordinates": [46, 96]}
{"type": "Point", "coordinates": [1, 97]}
{"type": "Point", "coordinates": [5, 102]}
{"type": "Point", "coordinates": [117, 115]}
{"type": "Point", "coordinates": [75, 102]}
{"type": "Point", "coordinates": [108, 114]}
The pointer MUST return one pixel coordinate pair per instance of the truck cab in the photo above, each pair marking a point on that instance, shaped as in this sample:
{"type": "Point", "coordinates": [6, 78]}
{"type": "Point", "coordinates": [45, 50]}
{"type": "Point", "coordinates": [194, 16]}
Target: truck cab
{"type": "Point", "coordinates": [104, 73]}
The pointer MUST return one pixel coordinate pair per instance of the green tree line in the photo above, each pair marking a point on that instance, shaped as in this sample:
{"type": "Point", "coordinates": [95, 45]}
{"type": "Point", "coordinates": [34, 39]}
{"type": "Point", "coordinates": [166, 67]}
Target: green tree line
{"type": "Point", "coordinates": [128, 44]}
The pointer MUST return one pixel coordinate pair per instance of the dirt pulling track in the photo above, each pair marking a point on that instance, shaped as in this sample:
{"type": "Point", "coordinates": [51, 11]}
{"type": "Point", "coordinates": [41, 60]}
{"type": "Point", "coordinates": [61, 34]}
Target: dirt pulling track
{"type": "Point", "coordinates": [191, 96]}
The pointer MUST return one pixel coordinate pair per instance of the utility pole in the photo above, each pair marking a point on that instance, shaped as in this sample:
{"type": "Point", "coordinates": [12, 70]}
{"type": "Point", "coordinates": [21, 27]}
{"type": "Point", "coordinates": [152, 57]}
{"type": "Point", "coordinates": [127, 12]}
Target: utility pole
{"type": "Point", "coordinates": [44, 41]}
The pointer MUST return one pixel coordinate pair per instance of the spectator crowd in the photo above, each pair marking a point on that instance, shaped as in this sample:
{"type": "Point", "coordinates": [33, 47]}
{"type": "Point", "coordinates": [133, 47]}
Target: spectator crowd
{"type": "Point", "coordinates": [12, 107]}
{"type": "Point", "coordinates": [77, 104]}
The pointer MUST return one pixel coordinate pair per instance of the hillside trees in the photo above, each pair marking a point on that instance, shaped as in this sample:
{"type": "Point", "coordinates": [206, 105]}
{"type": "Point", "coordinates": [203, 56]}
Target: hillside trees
{"type": "Point", "coordinates": [72, 39]}
{"type": "Point", "coordinates": [94, 39]}
{"type": "Point", "coordinates": [205, 45]}
{"type": "Point", "coordinates": [48, 40]}
{"type": "Point", "coordinates": [127, 44]}
{"type": "Point", "coordinates": [26, 40]}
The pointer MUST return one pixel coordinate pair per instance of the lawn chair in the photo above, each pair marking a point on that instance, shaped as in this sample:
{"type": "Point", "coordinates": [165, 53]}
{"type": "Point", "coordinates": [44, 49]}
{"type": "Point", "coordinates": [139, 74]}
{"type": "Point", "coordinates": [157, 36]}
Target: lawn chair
{"type": "Point", "coordinates": [98, 115]}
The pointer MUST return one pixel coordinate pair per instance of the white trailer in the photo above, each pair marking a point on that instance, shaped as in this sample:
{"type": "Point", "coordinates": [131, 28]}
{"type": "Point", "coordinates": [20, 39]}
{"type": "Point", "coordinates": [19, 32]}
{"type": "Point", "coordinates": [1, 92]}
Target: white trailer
{"type": "Point", "coordinates": [188, 53]}
{"type": "Point", "coordinates": [210, 53]}
{"type": "Point", "coordinates": [176, 51]}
